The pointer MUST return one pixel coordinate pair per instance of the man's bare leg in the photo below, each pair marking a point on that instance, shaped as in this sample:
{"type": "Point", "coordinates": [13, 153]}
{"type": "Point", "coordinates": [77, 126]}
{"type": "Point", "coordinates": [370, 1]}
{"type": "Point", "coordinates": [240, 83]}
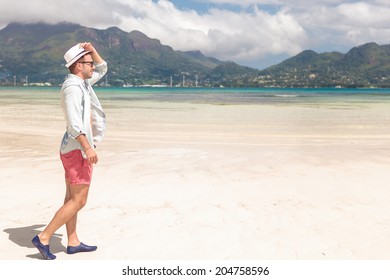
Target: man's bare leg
{"type": "Point", "coordinates": [67, 213]}
{"type": "Point", "coordinates": [71, 225]}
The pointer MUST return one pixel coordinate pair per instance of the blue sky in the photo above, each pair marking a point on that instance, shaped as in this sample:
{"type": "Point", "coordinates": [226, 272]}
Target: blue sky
{"type": "Point", "coordinates": [256, 33]}
{"type": "Point", "coordinates": [202, 6]}
{"type": "Point", "coordinates": [193, 5]}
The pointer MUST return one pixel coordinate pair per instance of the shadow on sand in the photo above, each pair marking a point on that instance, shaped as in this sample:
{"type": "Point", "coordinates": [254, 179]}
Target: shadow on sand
{"type": "Point", "coordinates": [22, 237]}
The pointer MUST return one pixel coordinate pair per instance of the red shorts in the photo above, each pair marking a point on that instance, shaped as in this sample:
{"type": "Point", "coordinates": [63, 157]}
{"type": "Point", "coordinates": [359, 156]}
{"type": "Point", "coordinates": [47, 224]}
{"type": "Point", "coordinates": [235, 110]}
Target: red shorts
{"type": "Point", "coordinates": [78, 171]}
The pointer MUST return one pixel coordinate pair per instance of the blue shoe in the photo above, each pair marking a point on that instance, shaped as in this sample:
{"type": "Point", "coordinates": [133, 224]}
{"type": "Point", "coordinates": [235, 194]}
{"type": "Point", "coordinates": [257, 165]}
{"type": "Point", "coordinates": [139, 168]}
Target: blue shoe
{"type": "Point", "coordinates": [43, 249]}
{"type": "Point", "coordinates": [81, 248]}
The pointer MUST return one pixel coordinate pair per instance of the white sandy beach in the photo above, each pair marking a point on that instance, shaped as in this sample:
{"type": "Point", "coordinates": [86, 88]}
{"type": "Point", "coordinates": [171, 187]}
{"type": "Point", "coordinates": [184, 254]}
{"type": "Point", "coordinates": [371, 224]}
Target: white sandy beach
{"type": "Point", "coordinates": [200, 181]}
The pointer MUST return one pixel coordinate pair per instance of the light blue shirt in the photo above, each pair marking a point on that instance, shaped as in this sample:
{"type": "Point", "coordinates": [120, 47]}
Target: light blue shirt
{"type": "Point", "coordinates": [82, 111]}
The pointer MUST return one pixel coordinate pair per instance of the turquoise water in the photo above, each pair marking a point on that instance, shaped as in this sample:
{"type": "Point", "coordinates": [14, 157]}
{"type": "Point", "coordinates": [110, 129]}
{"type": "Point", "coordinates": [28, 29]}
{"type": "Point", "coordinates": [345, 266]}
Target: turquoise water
{"type": "Point", "coordinates": [209, 95]}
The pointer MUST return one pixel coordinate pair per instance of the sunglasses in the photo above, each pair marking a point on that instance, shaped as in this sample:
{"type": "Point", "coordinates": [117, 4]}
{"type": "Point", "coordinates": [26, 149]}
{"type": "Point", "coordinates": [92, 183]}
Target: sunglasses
{"type": "Point", "coordinates": [90, 63]}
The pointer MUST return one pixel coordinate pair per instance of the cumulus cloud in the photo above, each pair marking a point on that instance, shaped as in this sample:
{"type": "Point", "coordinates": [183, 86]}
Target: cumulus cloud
{"type": "Point", "coordinates": [222, 33]}
{"type": "Point", "coordinates": [247, 31]}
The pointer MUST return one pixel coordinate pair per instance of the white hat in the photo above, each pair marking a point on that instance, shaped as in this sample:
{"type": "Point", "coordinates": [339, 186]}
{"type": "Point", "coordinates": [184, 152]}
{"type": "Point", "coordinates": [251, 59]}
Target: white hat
{"type": "Point", "coordinates": [73, 54]}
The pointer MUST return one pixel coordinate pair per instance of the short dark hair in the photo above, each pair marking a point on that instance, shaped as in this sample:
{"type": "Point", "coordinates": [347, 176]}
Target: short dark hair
{"type": "Point", "coordinates": [73, 66]}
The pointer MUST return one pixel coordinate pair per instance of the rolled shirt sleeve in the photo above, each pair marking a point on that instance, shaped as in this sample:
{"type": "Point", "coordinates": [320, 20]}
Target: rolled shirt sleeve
{"type": "Point", "coordinates": [72, 104]}
{"type": "Point", "coordinates": [100, 71]}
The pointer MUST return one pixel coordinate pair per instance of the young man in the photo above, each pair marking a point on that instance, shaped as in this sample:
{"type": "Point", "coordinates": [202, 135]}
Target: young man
{"type": "Point", "coordinates": [86, 124]}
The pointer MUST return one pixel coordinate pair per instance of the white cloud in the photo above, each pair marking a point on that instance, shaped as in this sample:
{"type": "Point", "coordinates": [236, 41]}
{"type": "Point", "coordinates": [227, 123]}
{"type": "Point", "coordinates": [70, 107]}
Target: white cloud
{"type": "Point", "coordinates": [347, 23]}
{"type": "Point", "coordinates": [247, 31]}
{"type": "Point", "coordinates": [224, 33]}
{"type": "Point", "coordinates": [241, 36]}
{"type": "Point", "coordinates": [99, 12]}
{"type": "Point", "coordinates": [362, 15]}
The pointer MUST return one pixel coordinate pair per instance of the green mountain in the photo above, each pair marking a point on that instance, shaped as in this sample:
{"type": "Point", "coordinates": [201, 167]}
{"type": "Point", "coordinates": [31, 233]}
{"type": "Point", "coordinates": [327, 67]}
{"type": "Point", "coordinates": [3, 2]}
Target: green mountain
{"type": "Point", "coordinates": [35, 52]}
{"type": "Point", "coordinates": [230, 74]}
{"type": "Point", "coordinates": [364, 66]}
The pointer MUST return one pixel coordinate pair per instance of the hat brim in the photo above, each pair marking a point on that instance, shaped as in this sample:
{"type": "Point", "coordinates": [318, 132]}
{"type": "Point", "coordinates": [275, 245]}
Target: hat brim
{"type": "Point", "coordinates": [76, 58]}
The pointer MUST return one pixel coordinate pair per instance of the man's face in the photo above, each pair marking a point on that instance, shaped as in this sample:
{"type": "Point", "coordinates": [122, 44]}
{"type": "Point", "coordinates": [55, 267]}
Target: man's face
{"type": "Point", "coordinates": [87, 66]}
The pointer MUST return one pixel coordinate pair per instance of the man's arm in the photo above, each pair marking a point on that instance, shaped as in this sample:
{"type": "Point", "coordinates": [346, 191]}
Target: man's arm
{"type": "Point", "coordinates": [88, 150]}
{"type": "Point", "coordinates": [101, 65]}
{"type": "Point", "coordinates": [95, 55]}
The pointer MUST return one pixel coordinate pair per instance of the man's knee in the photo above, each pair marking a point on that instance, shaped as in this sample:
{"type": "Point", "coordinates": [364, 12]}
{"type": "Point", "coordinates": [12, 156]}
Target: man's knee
{"type": "Point", "coordinates": [81, 202]}
{"type": "Point", "coordinates": [79, 194]}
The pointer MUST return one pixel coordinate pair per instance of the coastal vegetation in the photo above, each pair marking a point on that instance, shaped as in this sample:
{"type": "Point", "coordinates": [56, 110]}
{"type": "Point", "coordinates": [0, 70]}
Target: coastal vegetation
{"type": "Point", "coordinates": [32, 54]}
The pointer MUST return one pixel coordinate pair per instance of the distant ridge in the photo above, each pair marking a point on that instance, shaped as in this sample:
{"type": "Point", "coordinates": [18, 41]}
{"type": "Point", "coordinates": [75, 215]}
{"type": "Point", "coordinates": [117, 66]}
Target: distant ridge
{"type": "Point", "coordinates": [364, 66]}
{"type": "Point", "coordinates": [34, 53]}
